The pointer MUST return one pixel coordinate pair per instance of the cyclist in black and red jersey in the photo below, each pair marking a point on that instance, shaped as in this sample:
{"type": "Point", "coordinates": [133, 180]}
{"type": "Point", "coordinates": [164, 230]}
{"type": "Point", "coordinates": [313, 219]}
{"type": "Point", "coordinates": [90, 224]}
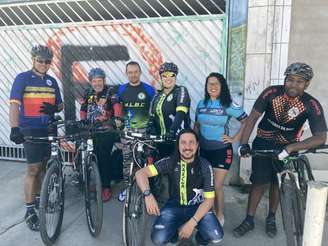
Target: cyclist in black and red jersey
{"type": "Point", "coordinates": [286, 108]}
{"type": "Point", "coordinates": [170, 108]}
{"type": "Point", "coordinates": [100, 105]}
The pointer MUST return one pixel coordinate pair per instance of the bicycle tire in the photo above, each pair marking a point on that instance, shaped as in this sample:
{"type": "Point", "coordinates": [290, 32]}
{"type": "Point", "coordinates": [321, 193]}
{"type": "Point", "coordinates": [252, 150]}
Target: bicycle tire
{"type": "Point", "coordinates": [134, 217]}
{"type": "Point", "coordinates": [292, 209]}
{"type": "Point", "coordinates": [304, 174]}
{"type": "Point", "coordinates": [93, 196]}
{"type": "Point", "coordinates": [52, 198]}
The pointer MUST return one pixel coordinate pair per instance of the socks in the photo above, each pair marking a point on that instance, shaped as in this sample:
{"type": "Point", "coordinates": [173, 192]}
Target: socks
{"type": "Point", "coordinates": [271, 216]}
{"type": "Point", "coordinates": [30, 207]}
{"type": "Point", "coordinates": [37, 201]}
{"type": "Point", "coordinates": [250, 219]}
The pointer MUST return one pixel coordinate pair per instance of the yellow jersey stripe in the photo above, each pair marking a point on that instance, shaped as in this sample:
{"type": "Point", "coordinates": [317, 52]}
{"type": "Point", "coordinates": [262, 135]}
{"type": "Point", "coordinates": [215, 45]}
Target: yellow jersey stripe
{"type": "Point", "coordinates": [209, 194]}
{"type": "Point", "coordinates": [38, 89]}
{"type": "Point", "coordinates": [182, 108]}
{"type": "Point", "coordinates": [183, 183]}
{"type": "Point", "coordinates": [152, 170]}
{"type": "Point", "coordinates": [39, 95]}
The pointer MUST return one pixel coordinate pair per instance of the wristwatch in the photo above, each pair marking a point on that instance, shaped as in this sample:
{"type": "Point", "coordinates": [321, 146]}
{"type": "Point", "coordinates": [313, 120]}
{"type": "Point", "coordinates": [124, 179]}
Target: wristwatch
{"type": "Point", "coordinates": [146, 193]}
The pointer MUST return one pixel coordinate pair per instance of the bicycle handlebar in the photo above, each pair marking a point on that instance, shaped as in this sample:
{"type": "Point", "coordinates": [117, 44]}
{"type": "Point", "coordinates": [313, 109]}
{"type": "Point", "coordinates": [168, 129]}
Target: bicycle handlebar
{"type": "Point", "coordinates": [143, 137]}
{"type": "Point", "coordinates": [275, 152]}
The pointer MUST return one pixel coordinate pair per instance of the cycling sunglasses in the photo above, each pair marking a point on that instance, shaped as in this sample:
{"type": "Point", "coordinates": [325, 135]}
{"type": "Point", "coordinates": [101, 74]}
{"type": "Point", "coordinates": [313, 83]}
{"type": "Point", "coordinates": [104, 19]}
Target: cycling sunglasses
{"type": "Point", "coordinates": [168, 74]}
{"type": "Point", "coordinates": [41, 61]}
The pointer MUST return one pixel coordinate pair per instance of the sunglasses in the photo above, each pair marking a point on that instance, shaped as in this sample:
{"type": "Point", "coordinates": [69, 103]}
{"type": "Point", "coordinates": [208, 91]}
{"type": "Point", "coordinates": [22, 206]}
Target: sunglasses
{"type": "Point", "coordinates": [43, 61]}
{"type": "Point", "coordinates": [168, 74]}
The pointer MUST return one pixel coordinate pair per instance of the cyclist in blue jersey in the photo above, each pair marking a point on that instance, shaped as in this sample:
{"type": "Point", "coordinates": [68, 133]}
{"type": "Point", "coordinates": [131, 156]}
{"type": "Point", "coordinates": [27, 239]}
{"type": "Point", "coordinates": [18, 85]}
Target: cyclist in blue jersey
{"type": "Point", "coordinates": [213, 114]}
{"type": "Point", "coordinates": [34, 99]}
{"type": "Point", "coordinates": [170, 108]}
{"type": "Point", "coordinates": [135, 98]}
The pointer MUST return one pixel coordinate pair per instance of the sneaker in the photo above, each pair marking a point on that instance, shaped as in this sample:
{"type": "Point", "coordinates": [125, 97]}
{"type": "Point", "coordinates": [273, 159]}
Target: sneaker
{"type": "Point", "coordinates": [106, 194]}
{"type": "Point", "coordinates": [75, 178]}
{"type": "Point", "coordinates": [32, 220]}
{"type": "Point", "coordinates": [242, 229]}
{"type": "Point", "coordinates": [270, 227]}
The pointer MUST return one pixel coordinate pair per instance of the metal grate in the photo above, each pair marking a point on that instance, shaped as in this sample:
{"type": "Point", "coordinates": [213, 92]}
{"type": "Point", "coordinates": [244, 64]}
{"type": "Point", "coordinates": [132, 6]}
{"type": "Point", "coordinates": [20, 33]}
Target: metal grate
{"type": "Point", "coordinates": [107, 33]}
{"type": "Point", "coordinates": [72, 11]}
{"type": "Point", "coordinates": [17, 154]}
{"type": "Point", "coordinates": [12, 153]}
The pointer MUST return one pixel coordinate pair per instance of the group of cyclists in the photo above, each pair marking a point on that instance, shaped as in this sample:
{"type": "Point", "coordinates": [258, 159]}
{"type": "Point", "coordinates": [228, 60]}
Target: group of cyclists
{"type": "Point", "coordinates": [198, 162]}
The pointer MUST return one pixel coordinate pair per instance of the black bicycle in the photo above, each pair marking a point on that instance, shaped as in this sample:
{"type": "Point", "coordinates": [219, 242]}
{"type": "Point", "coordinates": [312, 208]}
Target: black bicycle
{"type": "Point", "coordinates": [293, 176]}
{"type": "Point", "coordinates": [52, 196]}
{"type": "Point", "coordinates": [134, 212]}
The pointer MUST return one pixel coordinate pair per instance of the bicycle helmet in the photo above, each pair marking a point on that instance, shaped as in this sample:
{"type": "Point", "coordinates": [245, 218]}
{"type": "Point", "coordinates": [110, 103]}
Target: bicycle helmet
{"type": "Point", "coordinates": [301, 69]}
{"type": "Point", "coordinates": [96, 73]}
{"type": "Point", "coordinates": [42, 51]}
{"type": "Point", "coordinates": [168, 66]}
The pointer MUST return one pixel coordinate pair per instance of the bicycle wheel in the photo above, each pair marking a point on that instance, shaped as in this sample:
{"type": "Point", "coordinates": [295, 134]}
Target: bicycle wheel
{"type": "Point", "coordinates": [93, 199]}
{"type": "Point", "coordinates": [292, 209]}
{"type": "Point", "coordinates": [304, 174]}
{"type": "Point", "coordinates": [51, 203]}
{"type": "Point", "coordinates": [134, 217]}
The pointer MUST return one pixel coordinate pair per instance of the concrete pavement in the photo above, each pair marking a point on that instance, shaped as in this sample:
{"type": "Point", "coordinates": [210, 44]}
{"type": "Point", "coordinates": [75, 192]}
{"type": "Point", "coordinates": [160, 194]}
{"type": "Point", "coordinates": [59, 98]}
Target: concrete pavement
{"type": "Point", "coordinates": [13, 230]}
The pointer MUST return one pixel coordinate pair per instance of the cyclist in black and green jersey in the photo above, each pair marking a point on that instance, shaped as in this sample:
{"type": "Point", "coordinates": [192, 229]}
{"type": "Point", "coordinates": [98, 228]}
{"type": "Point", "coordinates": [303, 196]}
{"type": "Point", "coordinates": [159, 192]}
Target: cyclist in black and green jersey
{"type": "Point", "coordinates": [191, 195]}
{"type": "Point", "coordinates": [170, 108]}
{"type": "Point", "coordinates": [135, 98]}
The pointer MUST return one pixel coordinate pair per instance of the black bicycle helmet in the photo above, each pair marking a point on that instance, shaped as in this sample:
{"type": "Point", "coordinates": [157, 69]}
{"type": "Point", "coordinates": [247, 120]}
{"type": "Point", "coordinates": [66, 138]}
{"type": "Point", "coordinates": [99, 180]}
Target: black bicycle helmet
{"type": "Point", "coordinates": [96, 73]}
{"type": "Point", "coordinates": [301, 69]}
{"type": "Point", "coordinates": [42, 51]}
{"type": "Point", "coordinates": [168, 66]}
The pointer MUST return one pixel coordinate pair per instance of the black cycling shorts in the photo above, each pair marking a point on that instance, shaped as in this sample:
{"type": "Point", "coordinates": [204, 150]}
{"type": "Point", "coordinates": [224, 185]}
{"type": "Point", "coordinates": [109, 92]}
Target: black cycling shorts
{"type": "Point", "coordinates": [36, 151]}
{"type": "Point", "coordinates": [264, 169]}
{"type": "Point", "coordinates": [219, 158]}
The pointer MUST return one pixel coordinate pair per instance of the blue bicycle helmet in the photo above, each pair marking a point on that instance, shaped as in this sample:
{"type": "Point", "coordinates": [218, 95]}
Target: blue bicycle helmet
{"type": "Point", "coordinates": [42, 51]}
{"type": "Point", "coordinates": [301, 69]}
{"type": "Point", "coordinates": [168, 66]}
{"type": "Point", "coordinates": [96, 73]}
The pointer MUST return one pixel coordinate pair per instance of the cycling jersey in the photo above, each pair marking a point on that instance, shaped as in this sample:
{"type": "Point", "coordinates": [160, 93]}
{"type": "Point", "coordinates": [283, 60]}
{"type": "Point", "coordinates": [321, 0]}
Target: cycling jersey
{"type": "Point", "coordinates": [213, 119]}
{"type": "Point", "coordinates": [135, 102]}
{"type": "Point", "coordinates": [284, 116]}
{"type": "Point", "coordinates": [99, 106]}
{"type": "Point", "coordinates": [189, 183]}
{"type": "Point", "coordinates": [30, 92]}
{"type": "Point", "coordinates": [171, 112]}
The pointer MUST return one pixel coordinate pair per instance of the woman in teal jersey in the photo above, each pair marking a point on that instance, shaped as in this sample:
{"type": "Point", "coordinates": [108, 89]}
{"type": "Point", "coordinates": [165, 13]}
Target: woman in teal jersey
{"type": "Point", "coordinates": [212, 119]}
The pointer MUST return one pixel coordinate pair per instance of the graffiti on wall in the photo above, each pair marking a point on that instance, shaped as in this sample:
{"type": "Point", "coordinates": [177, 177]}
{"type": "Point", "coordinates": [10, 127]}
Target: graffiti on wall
{"type": "Point", "coordinates": [110, 46]}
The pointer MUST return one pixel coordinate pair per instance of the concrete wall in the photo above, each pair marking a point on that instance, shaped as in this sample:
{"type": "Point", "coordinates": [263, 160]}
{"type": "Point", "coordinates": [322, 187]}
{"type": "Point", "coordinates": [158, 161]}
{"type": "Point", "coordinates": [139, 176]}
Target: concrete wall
{"type": "Point", "coordinates": [268, 29]}
{"type": "Point", "coordinates": [309, 43]}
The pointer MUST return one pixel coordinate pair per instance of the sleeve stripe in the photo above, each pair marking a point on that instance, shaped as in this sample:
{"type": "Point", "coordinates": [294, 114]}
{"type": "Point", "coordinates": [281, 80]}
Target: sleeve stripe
{"type": "Point", "coordinates": [243, 116]}
{"type": "Point", "coordinates": [209, 194]}
{"type": "Point", "coordinates": [182, 108]}
{"type": "Point", "coordinates": [15, 101]}
{"type": "Point", "coordinates": [153, 170]}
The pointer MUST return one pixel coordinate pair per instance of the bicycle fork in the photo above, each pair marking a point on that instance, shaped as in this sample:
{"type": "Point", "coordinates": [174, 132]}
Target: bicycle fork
{"type": "Point", "coordinates": [291, 175]}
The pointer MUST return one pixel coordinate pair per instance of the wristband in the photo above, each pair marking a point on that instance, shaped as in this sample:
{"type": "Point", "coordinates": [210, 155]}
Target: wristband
{"type": "Point", "coordinates": [194, 218]}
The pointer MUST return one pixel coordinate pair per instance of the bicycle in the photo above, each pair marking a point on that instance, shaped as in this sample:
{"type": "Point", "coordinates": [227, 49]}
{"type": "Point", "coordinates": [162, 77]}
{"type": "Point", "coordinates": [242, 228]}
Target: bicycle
{"type": "Point", "coordinates": [52, 196]}
{"type": "Point", "coordinates": [134, 212]}
{"type": "Point", "coordinates": [293, 175]}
